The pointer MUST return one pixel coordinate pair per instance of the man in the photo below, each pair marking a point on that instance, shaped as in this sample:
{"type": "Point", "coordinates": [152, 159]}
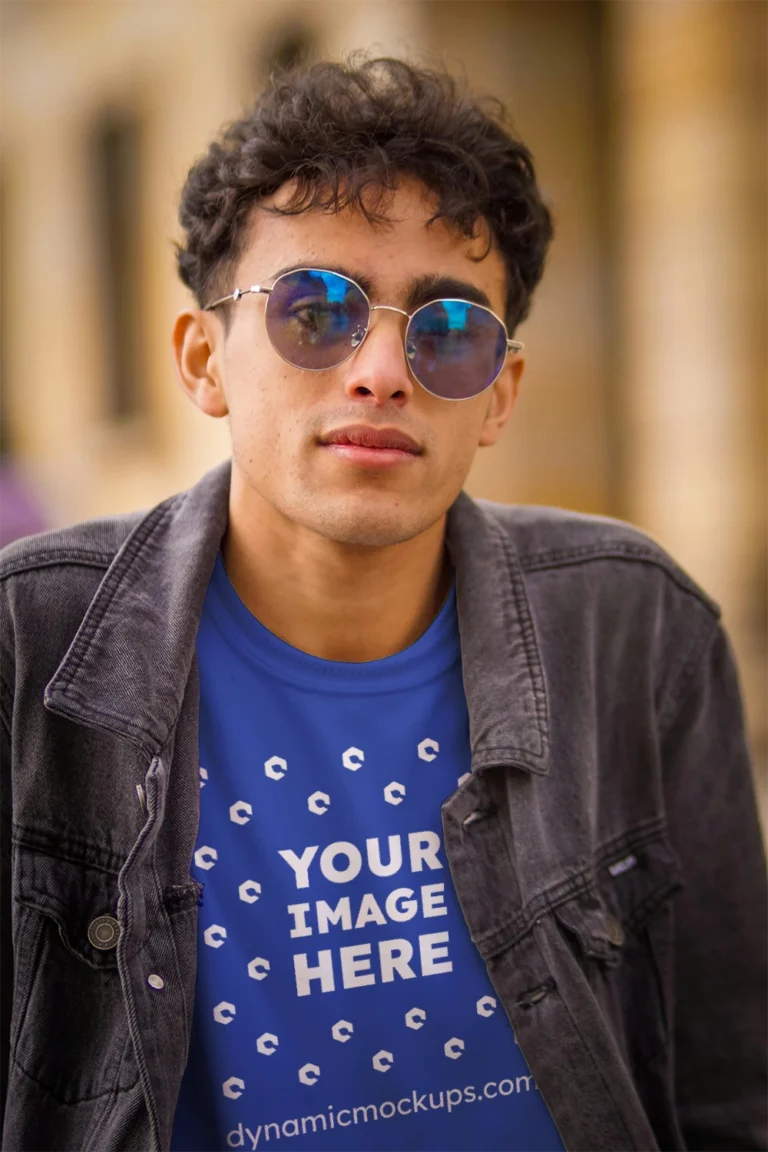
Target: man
{"type": "Point", "coordinates": [345, 810]}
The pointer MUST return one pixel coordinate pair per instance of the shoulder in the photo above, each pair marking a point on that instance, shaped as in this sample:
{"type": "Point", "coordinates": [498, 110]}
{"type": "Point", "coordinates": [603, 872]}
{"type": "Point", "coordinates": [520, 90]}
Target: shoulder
{"type": "Point", "coordinates": [608, 599]}
{"type": "Point", "coordinates": [48, 580]}
{"type": "Point", "coordinates": [548, 538]}
{"type": "Point", "coordinates": [91, 544]}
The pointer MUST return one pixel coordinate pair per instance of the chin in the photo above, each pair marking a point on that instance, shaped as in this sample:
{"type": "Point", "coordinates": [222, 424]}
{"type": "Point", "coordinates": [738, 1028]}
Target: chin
{"type": "Point", "coordinates": [369, 527]}
{"type": "Point", "coordinates": [369, 535]}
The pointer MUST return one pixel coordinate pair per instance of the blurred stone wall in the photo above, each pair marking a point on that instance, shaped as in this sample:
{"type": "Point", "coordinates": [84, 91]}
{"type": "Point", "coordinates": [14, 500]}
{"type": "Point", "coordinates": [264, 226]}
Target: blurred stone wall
{"type": "Point", "coordinates": [645, 389]}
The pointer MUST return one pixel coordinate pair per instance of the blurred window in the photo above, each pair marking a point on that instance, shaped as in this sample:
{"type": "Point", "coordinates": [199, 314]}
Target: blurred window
{"type": "Point", "coordinates": [117, 154]}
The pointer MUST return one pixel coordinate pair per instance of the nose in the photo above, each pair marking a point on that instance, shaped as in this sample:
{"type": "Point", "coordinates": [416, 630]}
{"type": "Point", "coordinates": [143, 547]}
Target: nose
{"type": "Point", "coordinates": [379, 368]}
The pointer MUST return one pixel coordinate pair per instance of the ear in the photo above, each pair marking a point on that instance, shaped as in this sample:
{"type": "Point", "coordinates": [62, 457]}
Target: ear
{"type": "Point", "coordinates": [502, 400]}
{"type": "Point", "coordinates": [198, 339]}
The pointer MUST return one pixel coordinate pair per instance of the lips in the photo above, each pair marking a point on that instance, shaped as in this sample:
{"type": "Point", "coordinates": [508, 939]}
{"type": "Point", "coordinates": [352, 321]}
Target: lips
{"type": "Point", "coordinates": [366, 436]}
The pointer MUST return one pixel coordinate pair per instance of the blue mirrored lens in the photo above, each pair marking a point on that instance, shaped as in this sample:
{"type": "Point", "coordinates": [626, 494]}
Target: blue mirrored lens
{"type": "Point", "coordinates": [455, 349]}
{"type": "Point", "coordinates": [316, 319]}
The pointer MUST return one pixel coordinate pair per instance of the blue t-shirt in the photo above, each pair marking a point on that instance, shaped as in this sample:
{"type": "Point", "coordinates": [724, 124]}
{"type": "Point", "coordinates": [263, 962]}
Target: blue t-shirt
{"type": "Point", "coordinates": [340, 1003]}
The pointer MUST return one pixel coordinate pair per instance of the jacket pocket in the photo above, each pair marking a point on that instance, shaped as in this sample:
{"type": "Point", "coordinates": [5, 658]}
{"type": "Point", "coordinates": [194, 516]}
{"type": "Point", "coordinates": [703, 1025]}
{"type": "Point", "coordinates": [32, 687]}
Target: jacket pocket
{"type": "Point", "coordinates": [621, 930]}
{"type": "Point", "coordinates": [638, 881]}
{"type": "Point", "coordinates": [69, 1029]}
{"type": "Point", "coordinates": [632, 886]}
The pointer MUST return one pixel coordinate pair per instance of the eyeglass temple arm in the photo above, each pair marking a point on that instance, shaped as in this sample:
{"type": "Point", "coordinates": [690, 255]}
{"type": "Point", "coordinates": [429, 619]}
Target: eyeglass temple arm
{"type": "Point", "coordinates": [515, 346]}
{"type": "Point", "coordinates": [236, 295]}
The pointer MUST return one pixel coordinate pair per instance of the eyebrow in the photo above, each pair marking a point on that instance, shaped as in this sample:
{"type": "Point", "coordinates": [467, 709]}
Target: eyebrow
{"type": "Point", "coordinates": [420, 290]}
{"type": "Point", "coordinates": [434, 287]}
{"type": "Point", "coordinates": [360, 278]}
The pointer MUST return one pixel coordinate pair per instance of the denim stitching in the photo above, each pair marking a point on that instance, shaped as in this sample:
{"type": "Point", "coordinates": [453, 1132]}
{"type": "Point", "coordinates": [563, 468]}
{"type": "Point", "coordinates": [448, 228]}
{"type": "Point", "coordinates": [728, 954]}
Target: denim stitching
{"type": "Point", "coordinates": [35, 929]}
{"type": "Point", "coordinates": [653, 829]}
{"type": "Point", "coordinates": [56, 1096]}
{"type": "Point", "coordinates": [684, 682]}
{"type": "Point", "coordinates": [136, 734]}
{"type": "Point", "coordinates": [511, 931]}
{"type": "Point", "coordinates": [126, 899]}
{"type": "Point", "coordinates": [596, 1067]}
{"type": "Point", "coordinates": [5, 715]}
{"type": "Point", "coordinates": [102, 1117]}
{"type": "Point", "coordinates": [527, 635]}
{"type": "Point", "coordinates": [537, 561]}
{"type": "Point", "coordinates": [71, 850]}
{"type": "Point", "coordinates": [63, 556]}
{"type": "Point", "coordinates": [109, 589]}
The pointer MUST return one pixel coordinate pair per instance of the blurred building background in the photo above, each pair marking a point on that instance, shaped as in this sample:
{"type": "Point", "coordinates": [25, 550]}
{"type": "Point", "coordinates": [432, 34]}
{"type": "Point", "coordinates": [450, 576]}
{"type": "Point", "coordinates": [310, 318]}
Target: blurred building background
{"type": "Point", "coordinates": [645, 390]}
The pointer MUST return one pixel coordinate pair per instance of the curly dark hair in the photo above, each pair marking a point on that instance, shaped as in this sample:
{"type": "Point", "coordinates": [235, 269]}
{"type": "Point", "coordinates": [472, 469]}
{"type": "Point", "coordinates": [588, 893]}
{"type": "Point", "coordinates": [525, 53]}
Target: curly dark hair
{"type": "Point", "coordinates": [344, 133]}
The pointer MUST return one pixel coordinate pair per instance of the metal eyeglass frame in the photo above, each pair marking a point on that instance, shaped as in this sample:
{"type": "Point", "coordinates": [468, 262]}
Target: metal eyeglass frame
{"type": "Point", "coordinates": [258, 289]}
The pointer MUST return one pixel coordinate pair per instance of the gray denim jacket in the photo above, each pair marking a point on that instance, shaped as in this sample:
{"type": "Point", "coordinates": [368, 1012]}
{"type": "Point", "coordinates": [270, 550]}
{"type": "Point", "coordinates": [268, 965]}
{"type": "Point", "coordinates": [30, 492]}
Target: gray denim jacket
{"type": "Point", "coordinates": [605, 849]}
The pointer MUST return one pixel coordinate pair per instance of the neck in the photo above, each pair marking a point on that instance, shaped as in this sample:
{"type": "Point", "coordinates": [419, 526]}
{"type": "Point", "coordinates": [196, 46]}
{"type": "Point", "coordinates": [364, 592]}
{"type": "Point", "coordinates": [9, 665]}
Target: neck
{"type": "Point", "coordinates": [343, 602]}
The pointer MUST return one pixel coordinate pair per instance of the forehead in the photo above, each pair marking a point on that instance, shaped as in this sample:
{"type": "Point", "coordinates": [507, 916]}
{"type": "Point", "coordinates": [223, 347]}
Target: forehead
{"type": "Point", "coordinates": [391, 255]}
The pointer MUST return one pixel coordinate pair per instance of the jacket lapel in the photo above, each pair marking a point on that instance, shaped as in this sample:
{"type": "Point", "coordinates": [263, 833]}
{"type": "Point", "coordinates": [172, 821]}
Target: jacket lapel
{"type": "Point", "coordinates": [127, 668]}
{"type": "Point", "coordinates": [503, 675]}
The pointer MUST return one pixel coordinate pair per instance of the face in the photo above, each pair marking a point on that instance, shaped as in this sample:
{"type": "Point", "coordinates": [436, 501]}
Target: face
{"type": "Point", "coordinates": [281, 417]}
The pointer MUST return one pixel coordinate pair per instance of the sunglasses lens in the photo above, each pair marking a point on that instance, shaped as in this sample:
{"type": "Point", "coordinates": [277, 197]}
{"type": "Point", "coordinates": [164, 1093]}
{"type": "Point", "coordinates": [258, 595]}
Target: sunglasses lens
{"type": "Point", "coordinates": [316, 319]}
{"type": "Point", "coordinates": [455, 349]}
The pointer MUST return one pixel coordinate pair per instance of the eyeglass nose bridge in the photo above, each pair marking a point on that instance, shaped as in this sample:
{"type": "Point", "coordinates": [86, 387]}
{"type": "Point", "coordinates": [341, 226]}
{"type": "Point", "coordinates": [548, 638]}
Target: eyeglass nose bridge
{"type": "Point", "coordinates": [361, 334]}
{"type": "Point", "coordinates": [389, 308]}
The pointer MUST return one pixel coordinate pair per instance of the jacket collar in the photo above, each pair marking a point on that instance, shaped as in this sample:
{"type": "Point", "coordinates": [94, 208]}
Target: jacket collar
{"type": "Point", "coordinates": [127, 668]}
{"type": "Point", "coordinates": [503, 675]}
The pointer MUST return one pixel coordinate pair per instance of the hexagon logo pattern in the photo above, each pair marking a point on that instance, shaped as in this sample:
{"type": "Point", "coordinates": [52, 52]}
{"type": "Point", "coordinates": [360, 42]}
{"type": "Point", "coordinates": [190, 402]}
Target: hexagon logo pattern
{"type": "Point", "coordinates": [428, 749]}
{"type": "Point", "coordinates": [453, 1048]}
{"type": "Point", "coordinates": [319, 803]}
{"type": "Point", "coordinates": [275, 767]}
{"type": "Point", "coordinates": [353, 758]}
{"type": "Point", "coordinates": [415, 1018]}
{"type": "Point", "coordinates": [383, 1061]}
{"type": "Point", "coordinates": [267, 1043]}
{"type": "Point", "coordinates": [215, 936]}
{"type": "Point", "coordinates": [394, 793]}
{"type": "Point", "coordinates": [203, 776]}
{"type": "Point", "coordinates": [486, 1006]}
{"type": "Point", "coordinates": [342, 1031]}
{"type": "Point", "coordinates": [233, 1088]}
{"type": "Point", "coordinates": [240, 812]}
{"type": "Point", "coordinates": [249, 891]}
{"type": "Point", "coordinates": [309, 1074]}
{"type": "Point", "coordinates": [206, 857]}
{"type": "Point", "coordinates": [224, 1013]}
{"type": "Point", "coordinates": [258, 968]}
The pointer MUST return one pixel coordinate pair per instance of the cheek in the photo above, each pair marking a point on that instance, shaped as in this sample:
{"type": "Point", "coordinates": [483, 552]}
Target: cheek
{"type": "Point", "coordinates": [250, 400]}
{"type": "Point", "coordinates": [462, 435]}
{"type": "Point", "coordinates": [266, 417]}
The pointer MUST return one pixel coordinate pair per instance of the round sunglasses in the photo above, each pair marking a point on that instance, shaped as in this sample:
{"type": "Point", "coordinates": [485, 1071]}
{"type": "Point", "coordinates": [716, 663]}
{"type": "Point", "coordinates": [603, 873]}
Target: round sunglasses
{"type": "Point", "coordinates": [317, 320]}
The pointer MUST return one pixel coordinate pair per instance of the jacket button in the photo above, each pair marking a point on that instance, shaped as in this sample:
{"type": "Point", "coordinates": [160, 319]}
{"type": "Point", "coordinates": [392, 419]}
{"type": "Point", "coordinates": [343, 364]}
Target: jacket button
{"type": "Point", "coordinates": [103, 932]}
{"type": "Point", "coordinates": [615, 931]}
